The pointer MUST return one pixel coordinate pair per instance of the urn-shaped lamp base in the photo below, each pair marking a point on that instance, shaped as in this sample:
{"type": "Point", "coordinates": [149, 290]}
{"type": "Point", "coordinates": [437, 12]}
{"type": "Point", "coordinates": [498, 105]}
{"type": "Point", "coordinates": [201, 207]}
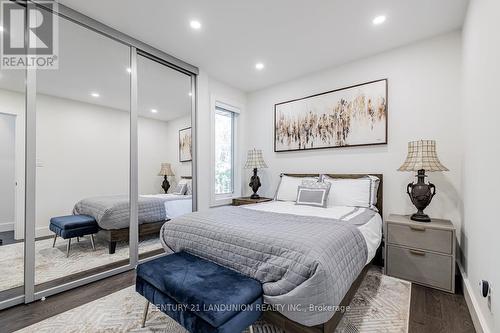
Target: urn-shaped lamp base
{"type": "Point", "coordinates": [421, 195]}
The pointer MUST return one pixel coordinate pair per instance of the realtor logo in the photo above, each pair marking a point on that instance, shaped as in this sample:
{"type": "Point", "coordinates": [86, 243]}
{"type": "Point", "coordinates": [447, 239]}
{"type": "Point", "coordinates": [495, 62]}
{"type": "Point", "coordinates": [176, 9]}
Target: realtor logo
{"type": "Point", "coordinates": [29, 35]}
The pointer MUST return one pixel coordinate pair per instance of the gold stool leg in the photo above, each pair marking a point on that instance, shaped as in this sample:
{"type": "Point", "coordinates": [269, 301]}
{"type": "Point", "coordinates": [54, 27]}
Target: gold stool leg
{"type": "Point", "coordinates": [92, 242]}
{"type": "Point", "coordinates": [145, 315]}
{"type": "Point", "coordinates": [68, 247]}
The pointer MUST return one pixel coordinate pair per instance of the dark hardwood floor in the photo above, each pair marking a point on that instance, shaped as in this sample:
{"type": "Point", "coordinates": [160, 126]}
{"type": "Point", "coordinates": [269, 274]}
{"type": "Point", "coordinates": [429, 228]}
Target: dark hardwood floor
{"type": "Point", "coordinates": [431, 311]}
{"type": "Point", "coordinates": [434, 311]}
{"type": "Point", "coordinates": [24, 315]}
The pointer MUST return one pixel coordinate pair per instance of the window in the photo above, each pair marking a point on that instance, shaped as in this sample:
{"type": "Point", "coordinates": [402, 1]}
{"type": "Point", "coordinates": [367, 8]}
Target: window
{"type": "Point", "coordinates": [224, 151]}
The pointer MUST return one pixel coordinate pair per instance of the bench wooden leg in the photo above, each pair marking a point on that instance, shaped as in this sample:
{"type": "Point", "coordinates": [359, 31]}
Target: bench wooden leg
{"type": "Point", "coordinates": [92, 242]}
{"type": "Point", "coordinates": [145, 315]}
{"type": "Point", "coordinates": [112, 247]}
{"type": "Point", "coordinates": [55, 237]}
{"type": "Point", "coordinates": [68, 247]}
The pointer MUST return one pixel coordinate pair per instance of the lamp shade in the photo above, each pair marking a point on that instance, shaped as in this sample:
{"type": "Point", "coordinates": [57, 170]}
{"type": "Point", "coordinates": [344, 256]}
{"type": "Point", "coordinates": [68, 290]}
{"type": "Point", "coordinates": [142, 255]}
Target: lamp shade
{"type": "Point", "coordinates": [255, 160]}
{"type": "Point", "coordinates": [422, 155]}
{"type": "Point", "coordinates": [165, 170]}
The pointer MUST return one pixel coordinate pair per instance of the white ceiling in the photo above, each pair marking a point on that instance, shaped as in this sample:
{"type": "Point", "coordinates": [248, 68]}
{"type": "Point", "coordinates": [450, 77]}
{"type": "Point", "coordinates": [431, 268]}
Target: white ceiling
{"type": "Point", "coordinates": [291, 37]}
{"type": "Point", "coordinates": [89, 62]}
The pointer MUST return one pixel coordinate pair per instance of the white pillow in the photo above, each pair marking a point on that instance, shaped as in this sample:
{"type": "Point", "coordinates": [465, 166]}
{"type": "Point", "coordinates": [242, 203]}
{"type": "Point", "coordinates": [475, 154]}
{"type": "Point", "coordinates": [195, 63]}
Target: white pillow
{"type": "Point", "coordinates": [350, 192]}
{"type": "Point", "coordinates": [288, 187]}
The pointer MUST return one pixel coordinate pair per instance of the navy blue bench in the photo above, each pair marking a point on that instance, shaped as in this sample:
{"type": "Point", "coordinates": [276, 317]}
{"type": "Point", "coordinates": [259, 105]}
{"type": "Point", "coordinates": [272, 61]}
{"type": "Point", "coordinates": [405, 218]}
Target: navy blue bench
{"type": "Point", "coordinates": [72, 226]}
{"type": "Point", "coordinates": [200, 295]}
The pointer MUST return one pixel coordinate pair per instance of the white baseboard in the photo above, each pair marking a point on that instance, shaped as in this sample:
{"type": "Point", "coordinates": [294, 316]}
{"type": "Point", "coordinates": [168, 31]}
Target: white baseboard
{"type": "Point", "coordinates": [40, 232]}
{"type": "Point", "coordinates": [473, 305]}
{"type": "Point", "coordinates": [43, 231]}
{"type": "Point", "coordinates": [6, 226]}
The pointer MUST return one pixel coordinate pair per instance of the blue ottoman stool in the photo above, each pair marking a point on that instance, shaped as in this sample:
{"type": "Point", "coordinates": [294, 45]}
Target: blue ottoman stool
{"type": "Point", "coordinates": [71, 226]}
{"type": "Point", "coordinates": [200, 295]}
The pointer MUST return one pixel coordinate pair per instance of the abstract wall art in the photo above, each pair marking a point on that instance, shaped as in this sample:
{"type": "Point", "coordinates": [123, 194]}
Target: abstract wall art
{"type": "Point", "coordinates": [352, 116]}
{"type": "Point", "coordinates": [185, 145]}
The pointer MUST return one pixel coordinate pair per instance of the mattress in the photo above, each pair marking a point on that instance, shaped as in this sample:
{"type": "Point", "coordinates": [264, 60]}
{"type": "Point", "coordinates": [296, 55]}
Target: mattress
{"type": "Point", "coordinates": [175, 204]}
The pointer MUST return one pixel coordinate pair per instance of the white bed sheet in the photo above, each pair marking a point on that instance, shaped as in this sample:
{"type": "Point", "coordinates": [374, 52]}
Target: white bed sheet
{"type": "Point", "coordinates": [175, 204]}
{"type": "Point", "coordinates": [371, 231]}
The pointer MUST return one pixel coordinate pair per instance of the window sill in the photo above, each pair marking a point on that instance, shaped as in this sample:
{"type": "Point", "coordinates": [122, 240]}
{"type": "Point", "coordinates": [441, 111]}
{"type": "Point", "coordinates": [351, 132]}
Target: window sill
{"type": "Point", "coordinates": [222, 201]}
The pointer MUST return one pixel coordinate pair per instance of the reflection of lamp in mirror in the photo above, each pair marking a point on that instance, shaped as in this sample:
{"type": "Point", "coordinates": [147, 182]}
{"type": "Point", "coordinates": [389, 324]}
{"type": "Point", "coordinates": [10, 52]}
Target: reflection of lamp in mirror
{"type": "Point", "coordinates": [165, 171]}
{"type": "Point", "coordinates": [422, 156]}
{"type": "Point", "coordinates": [255, 161]}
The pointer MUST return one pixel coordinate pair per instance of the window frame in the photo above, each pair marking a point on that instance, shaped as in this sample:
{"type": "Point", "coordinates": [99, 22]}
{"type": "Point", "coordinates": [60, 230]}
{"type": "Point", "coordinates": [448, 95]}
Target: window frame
{"type": "Point", "coordinates": [226, 105]}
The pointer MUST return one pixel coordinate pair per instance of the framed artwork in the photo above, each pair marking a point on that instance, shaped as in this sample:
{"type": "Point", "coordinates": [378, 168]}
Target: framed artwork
{"type": "Point", "coordinates": [347, 117]}
{"type": "Point", "coordinates": [185, 145]}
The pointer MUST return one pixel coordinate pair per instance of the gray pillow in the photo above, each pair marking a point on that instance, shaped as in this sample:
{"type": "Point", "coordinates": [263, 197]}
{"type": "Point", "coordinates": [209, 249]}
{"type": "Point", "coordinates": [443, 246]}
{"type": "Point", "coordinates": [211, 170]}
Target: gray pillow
{"type": "Point", "coordinates": [313, 194]}
{"type": "Point", "coordinates": [180, 189]}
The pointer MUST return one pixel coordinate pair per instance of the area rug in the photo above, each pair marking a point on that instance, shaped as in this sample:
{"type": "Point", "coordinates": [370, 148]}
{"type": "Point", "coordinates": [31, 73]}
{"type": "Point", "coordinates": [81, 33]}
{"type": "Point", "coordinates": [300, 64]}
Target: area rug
{"type": "Point", "coordinates": [381, 304]}
{"type": "Point", "coordinates": [51, 263]}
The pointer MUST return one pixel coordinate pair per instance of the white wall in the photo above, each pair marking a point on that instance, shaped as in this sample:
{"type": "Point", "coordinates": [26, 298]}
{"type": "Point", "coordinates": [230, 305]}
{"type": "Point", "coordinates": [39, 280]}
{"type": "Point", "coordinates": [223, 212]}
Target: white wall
{"type": "Point", "coordinates": [7, 171]}
{"type": "Point", "coordinates": [208, 87]}
{"type": "Point", "coordinates": [424, 99]}
{"type": "Point", "coordinates": [481, 139]}
{"type": "Point", "coordinates": [83, 151]}
{"type": "Point", "coordinates": [154, 145]}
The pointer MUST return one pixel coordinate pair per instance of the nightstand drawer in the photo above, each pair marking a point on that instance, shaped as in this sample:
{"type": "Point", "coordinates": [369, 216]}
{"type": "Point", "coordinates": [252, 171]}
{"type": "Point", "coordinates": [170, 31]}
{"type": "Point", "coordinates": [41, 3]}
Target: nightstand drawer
{"type": "Point", "coordinates": [420, 237]}
{"type": "Point", "coordinates": [431, 269]}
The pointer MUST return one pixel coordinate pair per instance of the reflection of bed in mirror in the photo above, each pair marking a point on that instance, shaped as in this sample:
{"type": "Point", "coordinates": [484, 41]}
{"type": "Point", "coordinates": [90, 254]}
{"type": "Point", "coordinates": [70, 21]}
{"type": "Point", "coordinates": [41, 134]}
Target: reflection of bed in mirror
{"type": "Point", "coordinates": [112, 214]}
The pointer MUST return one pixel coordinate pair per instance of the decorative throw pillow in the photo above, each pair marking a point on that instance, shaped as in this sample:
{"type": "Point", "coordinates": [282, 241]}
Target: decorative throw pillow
{"type": "Point", "coordinates": [189, 187]}
{"type": "Point", "coordinates": [313, 193]}
{"type": "Point", "coordinates": [180, 189]}
{"type": "Point", "coordinates": [374, 184]}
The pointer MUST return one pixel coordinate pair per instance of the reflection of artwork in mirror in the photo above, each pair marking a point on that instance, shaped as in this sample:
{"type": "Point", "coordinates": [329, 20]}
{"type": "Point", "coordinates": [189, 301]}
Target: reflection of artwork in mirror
{"type": "Point", "coordinates": [185, 145]}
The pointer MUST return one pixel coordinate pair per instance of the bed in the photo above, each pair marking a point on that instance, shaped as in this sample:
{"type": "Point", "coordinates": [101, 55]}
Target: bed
{"type": "Point", "coordinates": [309, 260]}
{"type": "Point", "coordinates": [113, 216]}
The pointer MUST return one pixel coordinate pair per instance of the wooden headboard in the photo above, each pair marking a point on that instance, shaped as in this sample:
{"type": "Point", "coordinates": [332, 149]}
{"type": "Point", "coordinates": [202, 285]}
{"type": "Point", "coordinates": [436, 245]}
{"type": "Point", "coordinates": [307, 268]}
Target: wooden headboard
{"type": "Point", "coordinates": [380, 193]}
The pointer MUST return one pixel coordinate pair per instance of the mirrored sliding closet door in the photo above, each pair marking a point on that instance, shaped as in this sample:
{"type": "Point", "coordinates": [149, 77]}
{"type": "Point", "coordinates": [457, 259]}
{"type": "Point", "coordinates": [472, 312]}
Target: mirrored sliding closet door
{"type": "Point", "coordinates": [82, 158]}
{"type": "Point", "coordinates": [95, 156]}
{"type": "Point", "coordinates": [12, 154]}
{"type": "Point", "coordinates": [164, 149]}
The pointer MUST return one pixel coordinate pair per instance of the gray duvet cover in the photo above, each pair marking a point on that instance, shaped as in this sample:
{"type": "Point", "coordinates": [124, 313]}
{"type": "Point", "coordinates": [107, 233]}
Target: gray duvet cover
{"type": "Point", "coordinates": [112, 212]}
{"type": "Point", "coordinates": [305, 264]}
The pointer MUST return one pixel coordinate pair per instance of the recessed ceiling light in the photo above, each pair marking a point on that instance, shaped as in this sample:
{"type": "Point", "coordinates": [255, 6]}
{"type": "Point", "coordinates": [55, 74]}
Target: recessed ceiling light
{"type": "Point", "coordinates": [379, 19]}
{"type": "Point", "coordinates": [95, 94]}
{"type": "Point", "coordinates": [154, 111]}
{"type": "Point", "coordinates": [129, 70]}
{"type": "Point", "coordinates": [190, 94]}
{"type": "Point", "coordinates": [259, 66]}
{"type": "Point", "coordinates": [196, 25]}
